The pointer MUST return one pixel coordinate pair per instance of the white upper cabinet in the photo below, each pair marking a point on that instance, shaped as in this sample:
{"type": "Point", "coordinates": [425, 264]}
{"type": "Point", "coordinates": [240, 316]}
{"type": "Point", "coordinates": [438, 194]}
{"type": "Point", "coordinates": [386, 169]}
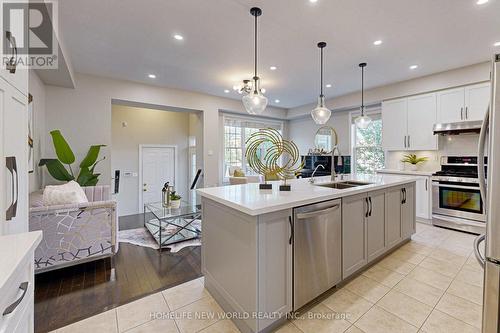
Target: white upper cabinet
{"type": "Point", "coordinates": [464, 103]}
{"type": "Point", "coordinates": [477, 99]}
{"type": "Point", "coordinates": [394, 124]}
{"type": "Point", "coordinates": [16, 75]}
{"type": "Point", "coordinates": [422, 116]}
{"type": "Point", "coordinates": [407, 123]}
{"type": "Point", "coordinates": [451, 106]}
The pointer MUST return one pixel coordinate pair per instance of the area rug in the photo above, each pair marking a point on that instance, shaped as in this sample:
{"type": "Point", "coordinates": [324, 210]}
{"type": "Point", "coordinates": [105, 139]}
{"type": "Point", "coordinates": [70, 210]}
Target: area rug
{"type": "Point", "coordinates": [142, 237]}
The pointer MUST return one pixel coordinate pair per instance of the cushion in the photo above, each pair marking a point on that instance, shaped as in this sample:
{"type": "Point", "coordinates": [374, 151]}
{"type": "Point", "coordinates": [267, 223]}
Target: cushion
{"type": "Point", "coordinates": [36, 199]}
{"type": "Point", "coordinates": [69, 193]}
{"type": "Point", "coordinates": [238, 173]}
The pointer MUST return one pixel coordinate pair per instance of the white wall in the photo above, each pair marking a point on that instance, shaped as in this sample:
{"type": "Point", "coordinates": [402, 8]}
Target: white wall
{"type": "Point", "coordinates": [145, 126]}
{"type": "Point", "coordinates": [303, 130]}
{"type": "Point", "coordinates": [37, 90]}
{"type": "Point", "coordinates": [84, 115]}
{"type": "Point", "coordinates": [452, 78]}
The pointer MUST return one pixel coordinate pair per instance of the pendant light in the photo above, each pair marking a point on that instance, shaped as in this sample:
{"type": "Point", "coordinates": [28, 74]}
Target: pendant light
{"type": "Point", "coordinates": [320, 113]}
{"type": "Point", "coordinates": [363, 121]}
{"type": "Point", "coordinates": [254, 102]}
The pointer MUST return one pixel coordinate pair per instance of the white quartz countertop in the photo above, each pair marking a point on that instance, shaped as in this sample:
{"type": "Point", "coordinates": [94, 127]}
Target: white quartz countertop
{"type": "Point", "coordinates": [406, 172]}
{"type": "Point", "coordinates": [249, 199]}
{"type": "Point", "coordinates": [14, 249]}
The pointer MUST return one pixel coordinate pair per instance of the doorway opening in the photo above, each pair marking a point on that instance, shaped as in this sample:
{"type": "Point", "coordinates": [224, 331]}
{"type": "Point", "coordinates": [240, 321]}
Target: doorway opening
{"type": "Point", "coordinates": [150, 146]}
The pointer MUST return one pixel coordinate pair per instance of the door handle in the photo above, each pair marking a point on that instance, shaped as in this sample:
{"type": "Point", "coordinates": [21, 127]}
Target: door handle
{"type": "Point", "coordinates": [403, 192]}
{"type": "Point", "coordinates": [24, 287]}
{"type": "Point", "coordinates": [466, 112]}
{"type": "Point", "coordinates": [404, 141]}
{"type": "Point", "coordinates": [477, 253]}
{"type": "Point", "coordinates": [371, 206]}
{"type": "Point", "coordinates": [12, 63]}
{"type": "Point", "coordinates": [291, 230]}
{"type": "Point", "coordinates": [367, 207]}
{"type": "Point", "coordinates": [409, 145]}
{"type": "Point", "coordinates": [426, 184]}
{"type": "Point", "coordinates": [11, 164]}
{"type": "Point", "coordinates": [302, 216]}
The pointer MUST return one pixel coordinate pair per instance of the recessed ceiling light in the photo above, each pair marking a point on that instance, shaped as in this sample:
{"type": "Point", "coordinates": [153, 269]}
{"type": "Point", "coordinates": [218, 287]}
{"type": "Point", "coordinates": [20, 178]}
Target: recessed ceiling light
{"type": "Point", "coordinates": [152, 76]}
{"type": "Point", "coordinates": [273, 68]}
{"type": "Point", "coordinates": [178, 37]}
{"type": "Point", "coordinates": [482, 2]}
{"type": "Point", "coordinates": [277, 101]}
{"type": "Point", "coordinates": [413, 66]}
{"type": "Point", "coordinates": [313, 1]}
{"type": "Point", "coordinates": [328, 85]}
{"type": "Point", "coordinates": [226, 91]}
{"type": "Point", "coordinates": [496, 44]}
{"type": "Point", "coordinates": [377, 42]}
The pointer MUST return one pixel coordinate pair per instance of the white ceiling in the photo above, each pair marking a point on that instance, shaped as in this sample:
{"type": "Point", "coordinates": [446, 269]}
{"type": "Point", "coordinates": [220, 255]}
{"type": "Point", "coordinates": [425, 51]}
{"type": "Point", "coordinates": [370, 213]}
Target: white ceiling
{"type": "Point", "coordinates": [127, 39]}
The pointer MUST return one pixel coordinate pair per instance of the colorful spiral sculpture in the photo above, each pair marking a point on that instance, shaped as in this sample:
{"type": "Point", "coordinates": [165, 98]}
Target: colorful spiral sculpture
{"type": "Point", "coordinates": [276, 149]}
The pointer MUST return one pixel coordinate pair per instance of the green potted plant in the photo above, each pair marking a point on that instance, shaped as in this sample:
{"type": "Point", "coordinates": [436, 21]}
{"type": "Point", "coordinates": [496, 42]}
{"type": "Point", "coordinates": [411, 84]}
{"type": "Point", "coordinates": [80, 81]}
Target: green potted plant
{"type": "Point", "coordinates": [175, 200]}
{"type": "Point", "coordinates": [61, 169]}
{"type": "Point", "coordinates": [413, 161]}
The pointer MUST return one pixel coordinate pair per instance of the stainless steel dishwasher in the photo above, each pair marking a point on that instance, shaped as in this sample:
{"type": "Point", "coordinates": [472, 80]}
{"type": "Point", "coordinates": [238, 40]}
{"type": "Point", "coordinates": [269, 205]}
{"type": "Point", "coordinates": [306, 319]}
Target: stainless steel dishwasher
{"type": "Point", "coordinates": [317, 250]}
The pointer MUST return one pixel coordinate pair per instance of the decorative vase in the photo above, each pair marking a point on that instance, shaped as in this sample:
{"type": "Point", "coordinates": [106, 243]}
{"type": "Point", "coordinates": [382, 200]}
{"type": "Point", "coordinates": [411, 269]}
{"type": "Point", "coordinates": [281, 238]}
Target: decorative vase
{"type": "Point", "coordinates": [413, 167]}
{"type": "Point", "coordinates": [175, 204]}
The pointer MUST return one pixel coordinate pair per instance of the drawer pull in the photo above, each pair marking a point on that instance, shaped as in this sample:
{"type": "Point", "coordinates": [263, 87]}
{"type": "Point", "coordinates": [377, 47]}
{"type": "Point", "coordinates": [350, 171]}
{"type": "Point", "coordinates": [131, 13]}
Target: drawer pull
{"type": "Point", "coordinates": [24, 287]}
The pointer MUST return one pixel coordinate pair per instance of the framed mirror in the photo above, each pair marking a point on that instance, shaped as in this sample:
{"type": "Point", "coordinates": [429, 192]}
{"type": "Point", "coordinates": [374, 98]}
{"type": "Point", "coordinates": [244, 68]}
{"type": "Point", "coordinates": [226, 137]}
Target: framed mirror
{"type": "Point", "coordinates": [325, 139]}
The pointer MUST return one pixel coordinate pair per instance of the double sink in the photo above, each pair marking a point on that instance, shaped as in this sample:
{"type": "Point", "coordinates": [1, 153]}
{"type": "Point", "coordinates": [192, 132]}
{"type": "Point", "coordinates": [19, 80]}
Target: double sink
{"type": "Point", "coordinates": [344, 185]}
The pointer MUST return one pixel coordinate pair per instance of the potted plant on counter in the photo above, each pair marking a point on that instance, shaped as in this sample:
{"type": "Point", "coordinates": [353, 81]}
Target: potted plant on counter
{"type": "Point", "coordinates": [175, 200]}
{"type": "Point", "coordinates": [413, 161]}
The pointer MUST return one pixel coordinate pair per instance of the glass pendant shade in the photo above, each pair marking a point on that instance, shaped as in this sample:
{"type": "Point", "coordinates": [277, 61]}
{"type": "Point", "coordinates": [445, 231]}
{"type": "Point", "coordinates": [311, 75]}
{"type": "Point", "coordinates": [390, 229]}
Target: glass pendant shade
{"type": "Point", "coordinates": [321, 113]}
{"type": "Point", "coordinates": [363, 121]}
{"type": "Point", "coordinates": [255, 103]}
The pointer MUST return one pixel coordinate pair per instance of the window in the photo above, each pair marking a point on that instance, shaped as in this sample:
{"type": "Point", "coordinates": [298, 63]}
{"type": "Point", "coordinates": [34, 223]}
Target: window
{"type": "Point", "coordinates": [236, 132]}
{"type": "Point", "coordinates": [368, 155]}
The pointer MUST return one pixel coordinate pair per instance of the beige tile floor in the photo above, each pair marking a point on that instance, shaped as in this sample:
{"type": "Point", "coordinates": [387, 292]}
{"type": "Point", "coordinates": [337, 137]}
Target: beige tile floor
{"type": "Point", "coordinates": [432, 284]}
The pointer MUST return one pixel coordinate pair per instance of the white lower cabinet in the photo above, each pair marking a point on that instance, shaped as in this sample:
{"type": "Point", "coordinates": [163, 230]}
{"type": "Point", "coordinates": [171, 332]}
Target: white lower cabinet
{"type": "Point", "coordinates": [373, 223]}
{"type": "Point", "coordinates": [423, 197]}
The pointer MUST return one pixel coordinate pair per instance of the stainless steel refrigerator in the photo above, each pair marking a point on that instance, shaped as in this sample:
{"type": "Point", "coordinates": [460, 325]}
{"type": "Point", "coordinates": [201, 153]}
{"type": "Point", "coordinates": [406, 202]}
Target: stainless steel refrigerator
{"type": "Point", "coordinates": [490, 192]}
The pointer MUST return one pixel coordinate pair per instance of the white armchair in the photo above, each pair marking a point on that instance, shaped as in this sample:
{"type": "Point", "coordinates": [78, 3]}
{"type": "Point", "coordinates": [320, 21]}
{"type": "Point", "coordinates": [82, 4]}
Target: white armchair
{"type": "Point", "coordinates": [242, 180]}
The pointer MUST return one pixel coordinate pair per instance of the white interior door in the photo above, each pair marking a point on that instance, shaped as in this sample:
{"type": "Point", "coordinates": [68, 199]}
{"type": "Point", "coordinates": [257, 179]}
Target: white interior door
{"type": "Point", "coordinates": [158, 167]}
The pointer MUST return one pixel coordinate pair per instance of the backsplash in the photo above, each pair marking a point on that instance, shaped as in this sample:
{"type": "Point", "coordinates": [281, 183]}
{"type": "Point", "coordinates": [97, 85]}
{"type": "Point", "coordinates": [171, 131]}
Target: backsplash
{"type": "Point", "coordinates": [452, 145]}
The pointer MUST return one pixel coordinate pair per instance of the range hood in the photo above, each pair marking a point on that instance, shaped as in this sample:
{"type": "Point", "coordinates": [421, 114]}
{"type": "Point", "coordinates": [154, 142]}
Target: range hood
{"type": "Point", "coordinates": [458, 128]}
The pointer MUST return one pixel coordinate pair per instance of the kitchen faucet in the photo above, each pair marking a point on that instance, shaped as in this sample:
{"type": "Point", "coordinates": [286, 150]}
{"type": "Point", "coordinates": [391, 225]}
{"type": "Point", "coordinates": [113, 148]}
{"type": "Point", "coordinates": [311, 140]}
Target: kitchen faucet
{"type": "Point", "coordinates": [333, 173]}
{"type": "Point", "coordinates": [311, 180]}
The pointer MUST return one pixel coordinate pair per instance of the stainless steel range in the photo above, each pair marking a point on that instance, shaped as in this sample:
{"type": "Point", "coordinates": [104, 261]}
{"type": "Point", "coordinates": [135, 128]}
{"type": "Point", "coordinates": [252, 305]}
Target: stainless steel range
{"type": "Point", "coordinates": [456, 197]}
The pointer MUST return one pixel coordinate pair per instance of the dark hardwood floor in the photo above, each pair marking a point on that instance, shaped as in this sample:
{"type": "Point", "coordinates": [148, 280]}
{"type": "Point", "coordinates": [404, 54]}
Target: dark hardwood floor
{"type": "Point", "coordinates": [68, 295]}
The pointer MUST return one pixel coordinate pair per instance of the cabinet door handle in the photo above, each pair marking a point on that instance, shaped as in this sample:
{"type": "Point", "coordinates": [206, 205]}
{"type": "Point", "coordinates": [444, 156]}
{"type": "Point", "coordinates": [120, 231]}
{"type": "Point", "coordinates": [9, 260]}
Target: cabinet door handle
{"type": "Point", "coordinates": [466, 112]}
{"type": "Point", "coordinates": [371, 206]}
{"type": "Point", "coordinates": [291, 230]}
{"type": "Point", "coordinates": [462, 113]}
{"type": "Point", "coordinates": [12, 63]}
{"type": "Point", "coordinates": [11, 164]}
{"type": "Point", "coordinates": [426, 185]}
{"type": "Point", "coordinates": [404, 194]}
{"type": "Point", "coordinates": [404, 140]}
{"type": "Point", "coordinates": [24, 287]}
{"type": "Point", "coordinates": [367, 207]}
{"type": "Point", "coordinates": [409, 145]}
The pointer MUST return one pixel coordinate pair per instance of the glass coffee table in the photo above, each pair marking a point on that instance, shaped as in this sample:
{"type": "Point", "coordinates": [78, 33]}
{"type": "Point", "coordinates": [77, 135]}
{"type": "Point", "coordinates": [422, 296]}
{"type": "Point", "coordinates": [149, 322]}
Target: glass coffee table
{"type": "Point", "coordinates": [172, 225]}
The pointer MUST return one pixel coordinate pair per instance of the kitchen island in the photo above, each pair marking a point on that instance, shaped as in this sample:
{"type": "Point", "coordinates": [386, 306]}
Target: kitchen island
{"type": "Point", "coordinates": [266, 253]}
